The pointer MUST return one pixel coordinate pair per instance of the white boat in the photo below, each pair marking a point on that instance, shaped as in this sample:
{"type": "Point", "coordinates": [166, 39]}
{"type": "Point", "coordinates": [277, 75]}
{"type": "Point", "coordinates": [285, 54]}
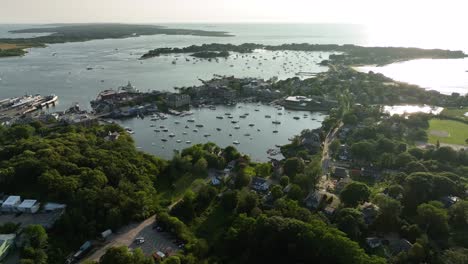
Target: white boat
{"type": "Point", "coordinates": [237, 127]}
{"type": "Point", "coordinates": [184, 133]}
{"type": "Point", "coordinates": [171, 135]}
{"type": "Point", "coordinates": [199, 125]}
{"type": "Point", "coordinates": [195, 130]}
{"type": "Point", "coordinates": [235, 142]}
{"type": "Point", "coordinates": [234, 121]}
{"type": "Point", "coordinates": [296, 117]}
{"type": "Point", "coordinates": [163, 140]}
{"type": "Point", "coordinates": [165, 130]}
{"type": "Point", "coordinates": [157, 130]}
{"type": "Point", "coordinates": [129, 130]}
{"type": "Point", "coordinates": [178, 141]}
{"type": "Point", "coordinates": [251, 125]}
{"type": "Point", "coordinates": [188, 141]}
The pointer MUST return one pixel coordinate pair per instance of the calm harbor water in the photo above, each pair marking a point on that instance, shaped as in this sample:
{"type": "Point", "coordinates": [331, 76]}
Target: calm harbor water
{"type": "Point", "coordinates": [445, 76]}
{"type": "Point", "coordinates": [61, 69]}
{"type": "Point", "coordinates": [254, 140]}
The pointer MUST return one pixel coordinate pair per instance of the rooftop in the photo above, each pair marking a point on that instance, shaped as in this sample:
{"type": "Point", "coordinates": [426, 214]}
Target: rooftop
{"type": "Point", "coordinates": [28, 203]}
{"type": "Point", "coordinates": [12, 200]}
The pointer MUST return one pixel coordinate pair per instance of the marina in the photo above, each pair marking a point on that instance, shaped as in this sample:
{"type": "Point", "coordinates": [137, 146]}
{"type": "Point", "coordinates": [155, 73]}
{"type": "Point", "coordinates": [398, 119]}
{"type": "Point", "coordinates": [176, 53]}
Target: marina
{"type": "Point", "coordinates": [254, 135]}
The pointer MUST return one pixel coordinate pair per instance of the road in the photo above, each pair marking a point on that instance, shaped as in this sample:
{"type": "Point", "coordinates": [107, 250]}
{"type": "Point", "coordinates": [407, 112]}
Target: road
{"type": "Point", "coordinates": [154, 240]}
{"type": "Point", "coordinates": [325, 181]}
{"type": "Point", "coordinates": [331, 136]}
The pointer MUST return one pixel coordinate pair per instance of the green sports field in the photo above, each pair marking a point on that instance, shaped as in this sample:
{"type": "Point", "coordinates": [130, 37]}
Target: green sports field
{"type": "Point", "coordinates": [447, 131]}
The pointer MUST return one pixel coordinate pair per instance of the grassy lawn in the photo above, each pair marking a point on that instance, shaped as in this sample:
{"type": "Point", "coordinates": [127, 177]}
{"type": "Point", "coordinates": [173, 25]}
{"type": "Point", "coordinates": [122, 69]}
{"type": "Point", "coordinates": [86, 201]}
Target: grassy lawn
{"type": "Point", "coordinates": [456, 113]}
{"type": "Point", "coordinates": [184, 183]}
{"type": "Point", "coordinates": [447, 131]}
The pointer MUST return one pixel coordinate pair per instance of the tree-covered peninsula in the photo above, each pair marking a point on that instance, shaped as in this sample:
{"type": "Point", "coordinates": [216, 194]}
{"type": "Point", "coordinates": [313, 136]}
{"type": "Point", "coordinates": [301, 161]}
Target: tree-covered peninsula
{"type": "Point", "coordinates": [347, 54]}
{"type": "Point", "coordinates": [62, 33]}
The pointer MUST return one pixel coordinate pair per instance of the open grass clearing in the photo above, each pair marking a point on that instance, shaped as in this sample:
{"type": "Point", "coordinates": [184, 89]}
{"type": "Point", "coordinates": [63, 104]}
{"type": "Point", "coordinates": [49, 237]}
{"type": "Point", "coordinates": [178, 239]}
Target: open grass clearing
{"type": "Point", "coordinates": [448, 132]}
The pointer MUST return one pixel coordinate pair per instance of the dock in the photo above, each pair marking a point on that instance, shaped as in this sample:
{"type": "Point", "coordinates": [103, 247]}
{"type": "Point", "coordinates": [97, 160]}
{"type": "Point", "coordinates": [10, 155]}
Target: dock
{"type": "Point", "coordinates": [18, 106]}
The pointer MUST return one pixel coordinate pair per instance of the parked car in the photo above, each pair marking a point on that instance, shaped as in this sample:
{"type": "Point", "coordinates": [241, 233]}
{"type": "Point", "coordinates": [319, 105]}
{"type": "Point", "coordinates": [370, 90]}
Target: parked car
{"type": "Point", "coordinates": [139, 240]}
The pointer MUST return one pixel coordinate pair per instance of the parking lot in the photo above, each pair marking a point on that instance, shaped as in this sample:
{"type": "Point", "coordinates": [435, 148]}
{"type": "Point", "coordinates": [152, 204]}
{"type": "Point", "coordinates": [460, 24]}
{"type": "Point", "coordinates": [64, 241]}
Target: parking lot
{"type": "Point", "coordinates": [154, 240]}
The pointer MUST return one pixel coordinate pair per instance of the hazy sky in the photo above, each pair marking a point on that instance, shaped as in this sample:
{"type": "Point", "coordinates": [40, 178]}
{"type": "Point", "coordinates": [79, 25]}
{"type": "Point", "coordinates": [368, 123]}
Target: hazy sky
{"type": "Point", "coordinates": [302, 11]}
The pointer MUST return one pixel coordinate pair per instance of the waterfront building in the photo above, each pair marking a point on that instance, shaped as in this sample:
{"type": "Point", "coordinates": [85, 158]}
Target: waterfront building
{"type": "Point", "coordinates": [178, 100]}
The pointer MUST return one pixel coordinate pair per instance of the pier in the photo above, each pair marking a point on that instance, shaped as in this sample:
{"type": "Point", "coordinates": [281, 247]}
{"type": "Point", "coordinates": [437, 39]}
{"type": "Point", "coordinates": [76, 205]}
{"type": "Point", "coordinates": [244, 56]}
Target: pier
{"type": "Point", "coordinates": [18, 106]}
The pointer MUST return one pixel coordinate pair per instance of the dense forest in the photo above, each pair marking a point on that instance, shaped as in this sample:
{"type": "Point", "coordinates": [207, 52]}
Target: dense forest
{"type": "Point", "coordinates": [104, 184]}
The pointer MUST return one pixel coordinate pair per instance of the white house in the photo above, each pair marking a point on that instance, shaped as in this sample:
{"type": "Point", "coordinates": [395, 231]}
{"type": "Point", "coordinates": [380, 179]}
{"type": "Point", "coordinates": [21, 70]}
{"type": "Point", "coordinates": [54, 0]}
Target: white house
{"type": "Point", "coordinates": [11, 203]}
{"type": "Point", "coordinates": [29, 206]}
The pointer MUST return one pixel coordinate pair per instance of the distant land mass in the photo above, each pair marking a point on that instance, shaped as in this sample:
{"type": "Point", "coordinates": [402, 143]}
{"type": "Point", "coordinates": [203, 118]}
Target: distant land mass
{"type": "Point", "coordinates": [62, 33]}
{"type": "Point", "coordinates": [348, 54]}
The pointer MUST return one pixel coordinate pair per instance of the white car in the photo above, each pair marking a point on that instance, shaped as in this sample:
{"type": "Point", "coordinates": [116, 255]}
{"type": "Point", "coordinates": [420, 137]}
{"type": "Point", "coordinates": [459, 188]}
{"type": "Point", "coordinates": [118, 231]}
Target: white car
{"type": "Point", "coordinates": [139, 240]}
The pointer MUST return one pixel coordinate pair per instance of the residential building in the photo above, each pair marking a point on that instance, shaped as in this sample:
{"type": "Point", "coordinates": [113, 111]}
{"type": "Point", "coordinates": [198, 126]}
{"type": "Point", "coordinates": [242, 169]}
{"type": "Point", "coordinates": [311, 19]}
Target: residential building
{"type": "Point", "coordinates": [10, 205]}
{"type": "Point", "coordinates": [373, 242]}
{"type": "Point", "coordinates": [260, 185]}
{"type": "Point", "coordinates": [112, 136]}
{"type": "Point", "coordinates": [311, 140]}
{"type": "Point", "coordinates": [369, 212]}
{"type": "Point", "coordinates": [449, 200]}
{"type": "Point", "coordinates": [52, 207]}
{"type": "Point", "coordinates": [313, 200]}
{"type": "Point", "coordinates": [341, 184]}
{"type": "Point", "coordinates": [29, 206]}
{"type": "Point", "coordinates": [340, 172]}
{"type": "Point", "coordinates": [178, 100]}
{"type": "Point", "coordinates": [400, 245]}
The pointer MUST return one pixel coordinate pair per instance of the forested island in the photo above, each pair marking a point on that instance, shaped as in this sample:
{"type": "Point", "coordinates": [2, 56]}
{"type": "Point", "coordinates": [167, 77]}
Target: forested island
{"type": "Point", "coordinates": [62, 33]}
{"type": "Point", "coordinates": [350, 54]}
